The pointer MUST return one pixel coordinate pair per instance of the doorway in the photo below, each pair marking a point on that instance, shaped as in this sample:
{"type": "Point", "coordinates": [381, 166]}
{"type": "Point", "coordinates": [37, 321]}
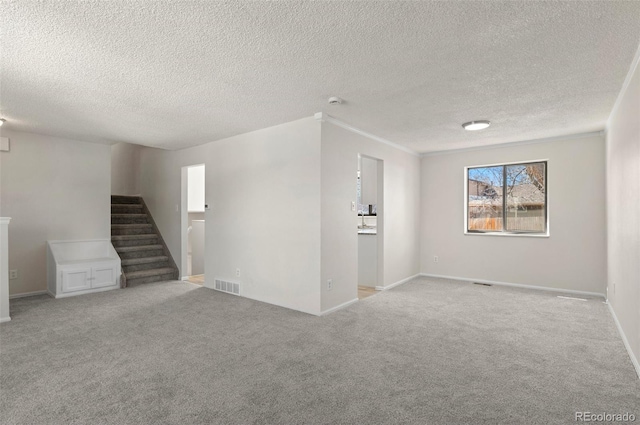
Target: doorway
{"type": "Point", "coordinates": [370, 209]}
{"type": "Point", "coordinates": [193, 224]}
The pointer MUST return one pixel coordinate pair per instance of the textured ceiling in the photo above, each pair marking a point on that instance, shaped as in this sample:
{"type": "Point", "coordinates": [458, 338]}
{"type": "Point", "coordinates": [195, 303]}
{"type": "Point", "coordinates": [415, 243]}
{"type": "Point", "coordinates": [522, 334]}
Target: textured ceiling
{"type": "Point", "coordinates": [177, 74]}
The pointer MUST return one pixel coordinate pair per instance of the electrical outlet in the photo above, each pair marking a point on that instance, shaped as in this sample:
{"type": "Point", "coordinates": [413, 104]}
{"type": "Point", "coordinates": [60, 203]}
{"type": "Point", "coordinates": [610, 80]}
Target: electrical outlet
{"type": "Point", "coordinates": [435, 259]}
{"type": "Point", "coordinates": [13, 274]}
{"type": "Point", "coordinates": [238, 272]}
{"type": "Point", "coordinates": [329, 284]}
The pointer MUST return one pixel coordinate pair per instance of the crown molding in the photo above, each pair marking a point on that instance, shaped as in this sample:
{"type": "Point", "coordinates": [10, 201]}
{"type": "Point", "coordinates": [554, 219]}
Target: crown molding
{"type": "Point", "coordinates": [518, 143]}
{"type": "Point", "coordinates": [625, 85]}
{"type": "Point", "coordinates": [323, 117]}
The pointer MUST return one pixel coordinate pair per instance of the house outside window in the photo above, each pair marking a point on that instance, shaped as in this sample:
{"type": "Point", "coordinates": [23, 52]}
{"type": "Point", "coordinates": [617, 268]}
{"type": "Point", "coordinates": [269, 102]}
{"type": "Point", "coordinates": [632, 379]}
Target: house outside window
{"type": "Point", "coordinates": [507, 199]}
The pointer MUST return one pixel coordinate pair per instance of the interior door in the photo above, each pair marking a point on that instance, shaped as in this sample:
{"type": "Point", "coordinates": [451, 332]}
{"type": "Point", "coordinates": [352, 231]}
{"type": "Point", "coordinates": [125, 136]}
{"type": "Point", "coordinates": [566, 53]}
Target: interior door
{"type": "Point", "coordinates": [76, 280]}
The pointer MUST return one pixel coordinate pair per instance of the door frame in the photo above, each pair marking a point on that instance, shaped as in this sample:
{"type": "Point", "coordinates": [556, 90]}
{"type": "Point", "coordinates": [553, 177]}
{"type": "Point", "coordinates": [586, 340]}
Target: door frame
{"type": "Point", "coordinates": [184, 219]}
{"type": "Point", "coordinates": [379, 220]}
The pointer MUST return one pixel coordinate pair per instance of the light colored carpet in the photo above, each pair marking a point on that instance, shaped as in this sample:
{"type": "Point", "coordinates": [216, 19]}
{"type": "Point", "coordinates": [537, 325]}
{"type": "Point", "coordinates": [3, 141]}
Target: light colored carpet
{"type": "Point", "coordinates": [427, 352]}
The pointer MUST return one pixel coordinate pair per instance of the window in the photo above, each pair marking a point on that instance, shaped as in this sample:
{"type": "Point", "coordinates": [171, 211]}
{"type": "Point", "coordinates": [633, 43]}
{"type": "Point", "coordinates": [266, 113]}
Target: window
{"type": "Point", "coordinates": [507, 198]}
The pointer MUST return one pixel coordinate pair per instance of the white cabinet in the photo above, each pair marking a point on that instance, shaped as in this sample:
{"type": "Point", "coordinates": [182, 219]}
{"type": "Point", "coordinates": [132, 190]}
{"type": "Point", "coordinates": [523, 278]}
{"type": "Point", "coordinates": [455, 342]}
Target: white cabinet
{"type": "Point", "coordinates": [80, 267]}
{"type": "Point", "coordinates": [82, 279]}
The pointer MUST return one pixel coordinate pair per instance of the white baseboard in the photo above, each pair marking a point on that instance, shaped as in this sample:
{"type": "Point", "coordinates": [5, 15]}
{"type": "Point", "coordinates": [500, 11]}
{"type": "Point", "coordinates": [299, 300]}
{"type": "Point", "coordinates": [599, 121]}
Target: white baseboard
{"type": "Point", "coordinates": [288, 307]}
{"type": "Point", "coordinates": [28, 294]}
{"type": "Point", "coordinates": [634, 360]}
{"type": "Point", "coordinates": [5, 319]}
{"type": "Point", "coordinates": [338, 307]}
{"type": "Point", "coordinates": [398, 283]}
{"type": "Point", "coordinates": [88, 291]}
{"type": "Point", "coordinates": [518, 285]}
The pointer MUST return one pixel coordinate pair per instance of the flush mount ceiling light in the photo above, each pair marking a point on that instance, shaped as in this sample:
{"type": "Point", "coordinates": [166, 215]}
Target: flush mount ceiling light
{"type": "Point", "coordinates": [2, 120]}
{"type": "Point", "coordinates": [335, 100]}
{"type": "Point", "coordinates": [476, 125]}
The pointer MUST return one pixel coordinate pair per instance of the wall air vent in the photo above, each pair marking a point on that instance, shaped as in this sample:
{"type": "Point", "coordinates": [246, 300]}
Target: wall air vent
{"type": "Point", "coordinates": [226, 286]}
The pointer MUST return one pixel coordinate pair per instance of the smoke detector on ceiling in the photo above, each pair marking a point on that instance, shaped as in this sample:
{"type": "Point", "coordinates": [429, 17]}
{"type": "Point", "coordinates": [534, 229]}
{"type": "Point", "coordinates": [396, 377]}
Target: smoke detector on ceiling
{"type": "Point", "coordinates": [335, 100]}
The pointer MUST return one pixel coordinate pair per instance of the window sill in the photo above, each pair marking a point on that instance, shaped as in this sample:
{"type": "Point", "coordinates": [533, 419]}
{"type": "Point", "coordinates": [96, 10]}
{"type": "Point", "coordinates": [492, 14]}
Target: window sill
{"type": "Point", "coordinates": [511, 235]}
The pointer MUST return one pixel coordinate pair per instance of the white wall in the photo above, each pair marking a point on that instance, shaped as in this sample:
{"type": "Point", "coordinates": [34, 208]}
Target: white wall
{"type": "Point", "coordinates": [51, 188]}
{"type": "Point", "coordinates": [263, 189]}
{"type": "Point", "coordinates": [572, 258]}
{"type": "Point", "coordinates": [623, 207]}
{"type": "Point", "coordinates": [399, 228]}
{"type": "Point", "coordinates": [125, 169]}
{"type": "Point", "coordinates": [368, 181]}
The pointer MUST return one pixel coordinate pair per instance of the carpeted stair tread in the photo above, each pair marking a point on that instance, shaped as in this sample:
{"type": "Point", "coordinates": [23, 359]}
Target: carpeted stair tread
{"type": "Point", "coordinates": [136, 206]}
{"type": "Point", "coordinates": [144, 260]}
{"type": "Point", "coordinates": [131, 226]}
{"type": "Point", "coordinates": [126, 208]}
{"type": "Point", "coordinates": [137, 248]}
{"type": "Point", "coordinates": [134, 237]}
{"type": "Point", "coordinates": [121, 199]}
{"type": "Point", "coordinates": [129, 219]}
{"type": "Point", "coordinates": [151, 272]}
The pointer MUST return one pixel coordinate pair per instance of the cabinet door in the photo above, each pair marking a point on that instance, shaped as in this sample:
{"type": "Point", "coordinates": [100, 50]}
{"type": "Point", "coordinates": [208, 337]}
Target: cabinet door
{"type": "Point", "coordinates": [76, 280]}
{"type": "Point", "coordinates": [103, 276]}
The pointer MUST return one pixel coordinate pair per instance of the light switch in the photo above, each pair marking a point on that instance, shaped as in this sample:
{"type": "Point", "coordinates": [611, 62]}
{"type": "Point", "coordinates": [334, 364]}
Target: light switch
{"type": "Point", "coordinates": [353, 206]}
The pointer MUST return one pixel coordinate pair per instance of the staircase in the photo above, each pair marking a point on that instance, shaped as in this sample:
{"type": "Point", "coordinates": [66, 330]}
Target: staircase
{"type": "Point", "coordinates": [145, 257]}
